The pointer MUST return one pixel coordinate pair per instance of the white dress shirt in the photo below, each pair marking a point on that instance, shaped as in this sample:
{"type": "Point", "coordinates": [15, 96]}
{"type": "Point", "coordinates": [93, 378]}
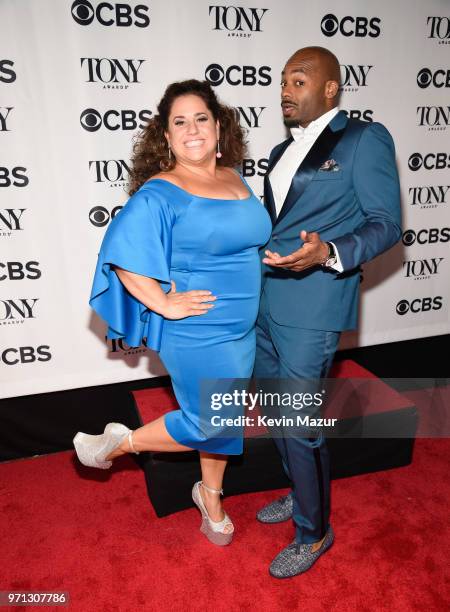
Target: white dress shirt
{"type": "Point", "coordinates": [282, 174]}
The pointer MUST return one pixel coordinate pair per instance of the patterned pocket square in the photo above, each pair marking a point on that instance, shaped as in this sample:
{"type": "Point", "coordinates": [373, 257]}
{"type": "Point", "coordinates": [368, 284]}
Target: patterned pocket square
{"type": "Point", "coordinates": [330, 166]}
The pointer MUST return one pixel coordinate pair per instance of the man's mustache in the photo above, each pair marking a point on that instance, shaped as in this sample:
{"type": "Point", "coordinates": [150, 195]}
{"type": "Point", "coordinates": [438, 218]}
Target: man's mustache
{"type": "Point", "coordinates": [287, 103]}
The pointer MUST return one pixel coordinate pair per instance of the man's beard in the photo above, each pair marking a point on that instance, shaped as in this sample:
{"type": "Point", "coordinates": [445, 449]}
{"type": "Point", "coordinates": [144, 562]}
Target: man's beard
{"type": "Point", "coordinates": [290, 122]}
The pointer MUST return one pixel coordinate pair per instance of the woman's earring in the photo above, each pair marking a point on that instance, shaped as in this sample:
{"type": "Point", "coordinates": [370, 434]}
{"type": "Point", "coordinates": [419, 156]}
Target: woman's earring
{"type": "Point", "coordinates": [218, 154]}
{"type": "Point", "coordinates": [170, 152]}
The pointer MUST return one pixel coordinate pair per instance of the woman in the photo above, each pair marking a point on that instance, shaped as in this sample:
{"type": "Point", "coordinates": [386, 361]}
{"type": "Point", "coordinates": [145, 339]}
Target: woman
{"type": "Point", "coordinates": [179, 265]}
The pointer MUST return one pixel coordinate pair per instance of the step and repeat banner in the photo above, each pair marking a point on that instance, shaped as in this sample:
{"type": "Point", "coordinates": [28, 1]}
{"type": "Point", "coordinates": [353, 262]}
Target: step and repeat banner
{"type": "Point", "coordinates": [79, 78]}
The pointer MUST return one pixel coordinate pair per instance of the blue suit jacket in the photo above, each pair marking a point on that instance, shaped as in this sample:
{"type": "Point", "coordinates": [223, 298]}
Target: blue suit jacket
{"type": "Point", "coordinates": [356, 206]}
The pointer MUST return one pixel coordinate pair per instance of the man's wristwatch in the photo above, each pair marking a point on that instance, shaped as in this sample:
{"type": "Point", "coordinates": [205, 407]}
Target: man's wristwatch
{"type": "Point", "coordinates": [332, 257]}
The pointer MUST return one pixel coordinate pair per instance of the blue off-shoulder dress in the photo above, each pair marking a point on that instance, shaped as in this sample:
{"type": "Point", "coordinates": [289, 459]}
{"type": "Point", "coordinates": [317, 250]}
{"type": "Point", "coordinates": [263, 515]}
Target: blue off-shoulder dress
{"type": "Point", "coordinates": [166, 233]}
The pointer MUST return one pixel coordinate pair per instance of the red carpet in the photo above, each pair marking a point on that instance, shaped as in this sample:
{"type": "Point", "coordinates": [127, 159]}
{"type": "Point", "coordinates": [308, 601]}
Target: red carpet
{"type": "Point", "coordinates": [94, 534]}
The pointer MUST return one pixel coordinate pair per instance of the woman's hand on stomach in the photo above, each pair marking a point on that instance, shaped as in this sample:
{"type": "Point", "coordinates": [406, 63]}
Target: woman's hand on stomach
{"type": "Point", "coordinates": [172, 305]}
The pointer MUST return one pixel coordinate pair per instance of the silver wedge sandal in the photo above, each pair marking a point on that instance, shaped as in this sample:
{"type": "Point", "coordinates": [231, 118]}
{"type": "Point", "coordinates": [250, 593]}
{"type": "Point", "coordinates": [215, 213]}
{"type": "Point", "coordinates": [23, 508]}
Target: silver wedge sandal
{"type": "Point", "coordinates": [213, 530]}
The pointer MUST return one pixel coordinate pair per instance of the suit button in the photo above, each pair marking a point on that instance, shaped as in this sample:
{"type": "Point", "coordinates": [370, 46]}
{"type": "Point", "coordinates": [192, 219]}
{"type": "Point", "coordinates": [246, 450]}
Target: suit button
{"type": "Point", "coordinates": [274, 237]}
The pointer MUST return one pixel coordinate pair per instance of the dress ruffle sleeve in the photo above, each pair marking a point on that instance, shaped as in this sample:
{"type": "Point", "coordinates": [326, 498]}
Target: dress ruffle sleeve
{"type": "Point", "coordinates": [138, 239]}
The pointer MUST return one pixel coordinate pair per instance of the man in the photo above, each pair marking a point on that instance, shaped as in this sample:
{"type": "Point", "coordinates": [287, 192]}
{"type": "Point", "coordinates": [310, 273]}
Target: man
{"type": "Point", "coordinates": [334, 183]}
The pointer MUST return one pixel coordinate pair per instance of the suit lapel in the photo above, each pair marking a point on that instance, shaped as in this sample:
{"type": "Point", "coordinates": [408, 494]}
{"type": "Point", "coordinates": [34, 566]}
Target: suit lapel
{"type": "Point", "coordinates": [316, 156]}
{"type": "Point", "coordinates": [269, 201]}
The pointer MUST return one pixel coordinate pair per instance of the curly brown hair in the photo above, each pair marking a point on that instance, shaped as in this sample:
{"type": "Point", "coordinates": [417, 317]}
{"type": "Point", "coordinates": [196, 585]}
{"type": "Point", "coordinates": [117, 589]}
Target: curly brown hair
{"type": "Point", "coordinates": [150, 150]}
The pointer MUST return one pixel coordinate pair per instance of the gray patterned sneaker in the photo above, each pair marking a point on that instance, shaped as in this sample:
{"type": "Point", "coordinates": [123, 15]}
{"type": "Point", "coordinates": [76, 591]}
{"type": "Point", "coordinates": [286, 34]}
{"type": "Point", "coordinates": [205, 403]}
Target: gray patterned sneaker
{"type": "Point", "coordinates": [277, 511]}
{"type": "Point", "coordinates": [297, 558]}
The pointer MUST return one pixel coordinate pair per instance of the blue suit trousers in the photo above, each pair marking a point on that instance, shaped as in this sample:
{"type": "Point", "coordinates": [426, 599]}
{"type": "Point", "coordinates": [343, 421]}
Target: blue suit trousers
{"type": "Point", "coordinates": [285, 352]}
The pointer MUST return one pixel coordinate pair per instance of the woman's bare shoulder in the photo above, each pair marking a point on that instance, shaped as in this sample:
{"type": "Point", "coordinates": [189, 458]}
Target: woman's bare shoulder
{"type": "Point", "coordinates": [228, 172]}
{"type": "Point", "coordinates": [170, 177]}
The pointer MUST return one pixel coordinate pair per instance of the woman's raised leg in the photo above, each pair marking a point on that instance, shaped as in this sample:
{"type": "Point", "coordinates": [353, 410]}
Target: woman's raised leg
{"type": "Point", "coordinates": [150, 437]}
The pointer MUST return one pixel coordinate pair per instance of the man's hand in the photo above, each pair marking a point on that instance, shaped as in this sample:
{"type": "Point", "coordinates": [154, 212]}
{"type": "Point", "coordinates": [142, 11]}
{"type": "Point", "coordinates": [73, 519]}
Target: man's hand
{"type": "Point", "coordinates": [313, 252]}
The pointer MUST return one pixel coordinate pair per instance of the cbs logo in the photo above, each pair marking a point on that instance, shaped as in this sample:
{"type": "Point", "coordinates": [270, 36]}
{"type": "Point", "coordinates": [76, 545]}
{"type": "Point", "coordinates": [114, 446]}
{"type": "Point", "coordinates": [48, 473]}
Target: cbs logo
{"type": "Point", "coordinates": [110, 14]}
{"type": "Point", "coordinates": [351, 26]}
{"type": "Point", "coordinates": [16, 270]}
{"type": "Point", "coordinates": [431, 161]}
{"type": "Point", "coordinates": [25, 354]}
{"type": "Point", "coordinates": [419, 305]}
{"type": "Point", "coordinates": [7, 74]}
{"type": "Point", "coordinates": [238, 75]}
{"type": "Point", "coordinates": [15, 177]}
{"type": "Point", "coordinates": [100, 216]}
{"type": "Point", "coordinates": [439, 78]}
{"type": "Point", "coordinates": [363, 115]}
{"type": "Point", "coordinates": [254, 167]}
{"type": "Point", "coordinates": [91, 120]}
{"type": "Point", "coordinates": [426, 236]}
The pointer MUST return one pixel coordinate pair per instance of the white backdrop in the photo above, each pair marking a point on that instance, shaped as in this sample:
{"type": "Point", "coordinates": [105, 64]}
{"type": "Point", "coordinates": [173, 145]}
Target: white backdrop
{"type": "Point", "coordinates": [76, 81]}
